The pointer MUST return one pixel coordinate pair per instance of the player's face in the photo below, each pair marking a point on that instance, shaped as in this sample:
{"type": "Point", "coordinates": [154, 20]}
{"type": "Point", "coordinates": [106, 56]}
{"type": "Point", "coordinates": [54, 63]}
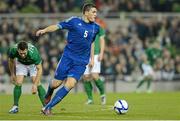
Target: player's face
{"type": "Point", "coordinates": [22, 53]}
{"type": "Point", "coordinates": [91, 14]}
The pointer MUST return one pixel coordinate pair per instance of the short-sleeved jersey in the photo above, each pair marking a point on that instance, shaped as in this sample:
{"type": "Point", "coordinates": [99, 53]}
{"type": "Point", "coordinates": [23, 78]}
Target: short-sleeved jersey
{"type": "Point", "coordinates": [97, 41]}
{"type": "Point", "coordinates": [33, 56]}
{"type": "Point", "coordinates": [79, 39]}
{"type": "Point", "coordinates": [153, 54]}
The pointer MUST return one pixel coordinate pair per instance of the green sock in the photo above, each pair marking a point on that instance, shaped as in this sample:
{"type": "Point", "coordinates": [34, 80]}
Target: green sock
{"type": "Point", "coordinates": [140, 83]}
{"type": "Point", "coordinates": [41, 94]}
{"type": "Point", "coordinates": [100, 85]}
{"type": "Point", "coordinates": [88, 89]}
{"type": "Point", "coordinates": [148, 83]}
{"type": "Point", "coordinates": [17, 93]}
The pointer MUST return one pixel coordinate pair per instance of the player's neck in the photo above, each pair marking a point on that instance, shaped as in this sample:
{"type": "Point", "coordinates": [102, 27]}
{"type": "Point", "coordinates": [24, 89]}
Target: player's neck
{"type": "Point", "coordinates": [85, 19]}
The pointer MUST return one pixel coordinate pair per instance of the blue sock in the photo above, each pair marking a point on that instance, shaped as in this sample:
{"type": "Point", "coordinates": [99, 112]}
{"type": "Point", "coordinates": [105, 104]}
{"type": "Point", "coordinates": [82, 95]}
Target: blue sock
{"type": "Point", "coordinates": [49, 91]}
{"type": "Point", "coordinates": [60, 94]}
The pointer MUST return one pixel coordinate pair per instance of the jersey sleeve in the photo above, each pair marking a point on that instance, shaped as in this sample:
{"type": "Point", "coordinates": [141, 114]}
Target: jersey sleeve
{"type": "Point", "coordinates": [97, 31]}
{"type": "Point", "coordinates": [11, 53]}
{"type": "Point", "coordinates": [37, 59]}
{"type": "Point", "coordinates": [101, 31]}
{"type": "Point", "coordinates": [66, 24]}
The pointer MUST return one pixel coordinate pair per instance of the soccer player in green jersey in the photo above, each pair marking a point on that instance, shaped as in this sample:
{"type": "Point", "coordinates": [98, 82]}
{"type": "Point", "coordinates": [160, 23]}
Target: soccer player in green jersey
{"type": "Point", "coordinates": [148, 60]}
{"type": "Point", "coordinates": [24, 58]}
{"type": "Point", "coordinates": [92, 73]}
{"type": "Point", "coordinates": [147, 73]}
{"type": "Point", "coordinates": [153, 53]}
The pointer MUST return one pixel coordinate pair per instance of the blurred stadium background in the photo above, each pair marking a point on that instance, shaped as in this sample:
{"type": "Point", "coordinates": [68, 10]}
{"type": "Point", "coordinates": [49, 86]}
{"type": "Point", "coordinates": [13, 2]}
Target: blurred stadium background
{"type": "Point", "coordinates": [132, 27]}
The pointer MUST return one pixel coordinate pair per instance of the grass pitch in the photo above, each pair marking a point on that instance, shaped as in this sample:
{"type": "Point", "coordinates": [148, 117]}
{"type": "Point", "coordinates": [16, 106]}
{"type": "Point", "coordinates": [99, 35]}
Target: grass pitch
{"type": "Point", "coordinates": [155, 106]}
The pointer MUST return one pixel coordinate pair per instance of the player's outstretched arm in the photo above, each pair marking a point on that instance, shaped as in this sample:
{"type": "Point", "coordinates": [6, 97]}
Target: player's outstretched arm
{"type": "Point", "coordinates": [50, 28]}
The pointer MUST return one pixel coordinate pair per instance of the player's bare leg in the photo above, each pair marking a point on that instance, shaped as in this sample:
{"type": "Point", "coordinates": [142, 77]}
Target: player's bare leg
{"type": "Point", "coordinates": [53, 85]}
{"type": "Point", "coordinates": [60, 94]}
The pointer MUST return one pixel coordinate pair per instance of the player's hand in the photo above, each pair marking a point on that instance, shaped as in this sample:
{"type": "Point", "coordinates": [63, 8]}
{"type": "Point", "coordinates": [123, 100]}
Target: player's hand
{"type": "Point", "coordinates": [34, 89]}
{"type": "Point", "coordinates": [40, 32]}
{"type": "Point", "coordinates": [13, 79]}
{"type": "Point", "coordinates": [100, 57]}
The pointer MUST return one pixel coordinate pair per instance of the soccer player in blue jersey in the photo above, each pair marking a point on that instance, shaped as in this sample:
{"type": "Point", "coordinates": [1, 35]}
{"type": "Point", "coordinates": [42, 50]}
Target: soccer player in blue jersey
{"type": "Point", "coordinates": [79, 48]}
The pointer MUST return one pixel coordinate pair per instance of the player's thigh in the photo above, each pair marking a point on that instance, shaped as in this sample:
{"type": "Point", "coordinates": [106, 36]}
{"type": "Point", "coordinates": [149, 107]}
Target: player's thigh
{"type": "Point", "coordinates": [86, 77]}
{"type": "Point", "coordinates": [32, 70]}
{"type": "Point", "coordinates": [97, 65]}
{"type": "Point", "coordinates": [95, 70]}
{"type": "Point", "coordinates": [76, 71]}
{"type": "Point", "coordinates": [33, 73]}
{"type": "Point", "coordinates": [87, 71]}
{"type": "Point", "coordinates": [95, 76]}
{"type": "Point", "coordinates": [62, 69]}
{"type": "Point", "coordinates": [21, 69]}
{"type": "Point", "coordinates": [19, 79]}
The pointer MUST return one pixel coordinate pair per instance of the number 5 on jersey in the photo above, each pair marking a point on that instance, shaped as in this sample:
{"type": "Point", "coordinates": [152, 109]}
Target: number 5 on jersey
{"type": "Point", "coordinates": [85, 34]}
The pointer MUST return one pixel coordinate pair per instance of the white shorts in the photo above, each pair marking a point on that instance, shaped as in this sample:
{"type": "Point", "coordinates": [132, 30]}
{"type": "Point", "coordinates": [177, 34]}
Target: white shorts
{"type": "Point", "coordinates": [22, 69]}
{"type": "Point", "coordinates": [96, 68]}
{"type": "Point", "coordinates": [147, 70]}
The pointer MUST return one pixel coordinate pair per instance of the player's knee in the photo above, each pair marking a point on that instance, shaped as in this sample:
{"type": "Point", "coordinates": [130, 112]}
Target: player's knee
{"type": "Point", "coordinates": [86, 78]}
{"type": "Point", "coordinates": [70, 83]}
{"type": "Point", "coordinates": [18, 83]}
{"type": "Point", "coordinates": [95, 76]}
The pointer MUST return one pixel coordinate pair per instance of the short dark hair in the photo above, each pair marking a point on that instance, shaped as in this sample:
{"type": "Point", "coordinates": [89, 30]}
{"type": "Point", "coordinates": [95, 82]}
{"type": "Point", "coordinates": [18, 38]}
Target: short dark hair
{"type": "Point", "coordinates": [22, 45]}
{"type": "Point", "coordinates": [87, 7]}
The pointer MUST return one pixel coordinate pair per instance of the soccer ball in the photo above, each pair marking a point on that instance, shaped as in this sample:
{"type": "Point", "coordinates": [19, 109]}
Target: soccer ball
{"type": "Point", "coordinates": [121, 107]}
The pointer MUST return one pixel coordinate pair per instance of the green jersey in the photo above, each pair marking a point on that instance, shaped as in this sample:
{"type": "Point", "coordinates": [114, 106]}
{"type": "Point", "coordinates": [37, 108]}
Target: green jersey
{"type": "Point", "coordinates": [153, 54]}
{"type": "Point", "coordinates": [33, 56]}
{"type": "Point", "coordinates": [97, 41]}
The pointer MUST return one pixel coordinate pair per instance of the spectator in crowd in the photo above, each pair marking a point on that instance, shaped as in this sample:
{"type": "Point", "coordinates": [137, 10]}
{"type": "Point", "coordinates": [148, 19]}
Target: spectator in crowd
{"type": "Point", "coordinates": [177, 71]}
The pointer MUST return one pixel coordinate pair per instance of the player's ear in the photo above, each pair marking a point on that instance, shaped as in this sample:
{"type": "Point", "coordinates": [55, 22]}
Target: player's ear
{"type": "Point", "coordinates": [86, 13]}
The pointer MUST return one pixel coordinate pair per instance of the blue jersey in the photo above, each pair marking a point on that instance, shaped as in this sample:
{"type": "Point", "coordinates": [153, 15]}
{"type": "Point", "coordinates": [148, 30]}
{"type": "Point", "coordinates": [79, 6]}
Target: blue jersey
{"type": "Point", "coordinates": [79, 39]}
